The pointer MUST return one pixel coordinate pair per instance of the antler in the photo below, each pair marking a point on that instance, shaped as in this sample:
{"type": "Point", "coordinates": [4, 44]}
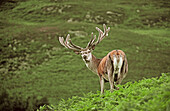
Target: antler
{"type": "Point", "coordinates": [101, 36]}
{"type": "Point", "coordinates": [68, 43]}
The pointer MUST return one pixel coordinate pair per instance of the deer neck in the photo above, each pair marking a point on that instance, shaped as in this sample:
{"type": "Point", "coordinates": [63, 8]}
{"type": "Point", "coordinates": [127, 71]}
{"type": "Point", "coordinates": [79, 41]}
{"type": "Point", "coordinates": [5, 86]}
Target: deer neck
{"type": "Point", "coordinates": [93, 63]}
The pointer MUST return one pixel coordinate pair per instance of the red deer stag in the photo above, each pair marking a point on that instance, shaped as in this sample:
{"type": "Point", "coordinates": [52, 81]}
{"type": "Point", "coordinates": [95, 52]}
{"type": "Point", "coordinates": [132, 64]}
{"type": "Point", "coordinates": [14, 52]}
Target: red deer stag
{"type": "Point", "coordinates": [113, 67]}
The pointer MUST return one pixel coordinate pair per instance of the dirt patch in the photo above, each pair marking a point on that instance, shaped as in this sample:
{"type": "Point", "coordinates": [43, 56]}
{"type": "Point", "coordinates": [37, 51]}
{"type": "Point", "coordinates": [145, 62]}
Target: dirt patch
{"type": "Point", "coordinates": [49, 30]}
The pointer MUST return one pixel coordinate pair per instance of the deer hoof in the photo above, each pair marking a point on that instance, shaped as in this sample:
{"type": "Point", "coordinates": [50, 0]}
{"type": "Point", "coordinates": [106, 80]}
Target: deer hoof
{"type": "Point", "coordinates": [111, 90]}
{"type": "Point", "coordinates": [117, 88]}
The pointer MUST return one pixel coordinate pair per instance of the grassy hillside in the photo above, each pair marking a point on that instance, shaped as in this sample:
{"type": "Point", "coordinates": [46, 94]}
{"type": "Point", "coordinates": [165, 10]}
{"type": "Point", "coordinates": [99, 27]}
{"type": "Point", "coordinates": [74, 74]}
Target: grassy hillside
{"type": "Point", "coordinates": [33, 64]}
{"type": "Point", "coordinates": [145, 95]}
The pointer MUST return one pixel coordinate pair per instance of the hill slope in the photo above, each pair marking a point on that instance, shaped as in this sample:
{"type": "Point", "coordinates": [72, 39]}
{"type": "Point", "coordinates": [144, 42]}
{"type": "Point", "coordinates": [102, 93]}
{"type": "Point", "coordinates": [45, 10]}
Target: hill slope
{"type": "Point", "coordinates": [34, 64]}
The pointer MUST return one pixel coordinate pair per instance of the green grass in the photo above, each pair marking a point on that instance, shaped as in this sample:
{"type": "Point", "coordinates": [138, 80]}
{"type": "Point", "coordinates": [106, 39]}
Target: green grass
{"type": "Point", "coordinates": [145, 95]}
{"type": "Point", "coordinates": [34, 63]}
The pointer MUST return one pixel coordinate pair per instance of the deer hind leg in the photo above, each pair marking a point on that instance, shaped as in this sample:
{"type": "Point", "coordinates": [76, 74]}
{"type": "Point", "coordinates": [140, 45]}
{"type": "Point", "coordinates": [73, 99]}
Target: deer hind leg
{"type": "Point", "coordinates": [122, 76]}
{"type": "Point", "coordinates": [116, 80]}
{"type": "Point", "coordinates": [117, 70]}
{"type": "Point", "coordinates": [119, 80]}
{"type": "Point", "coordinates": [110, 70]}
{"type": "Point", "coordinates": [111, 80]}
{"type": "Point", "coordinates": [123, 71]}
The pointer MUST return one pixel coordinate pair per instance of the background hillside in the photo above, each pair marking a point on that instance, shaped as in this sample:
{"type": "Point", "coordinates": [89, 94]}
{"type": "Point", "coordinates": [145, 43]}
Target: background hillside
{"type": "Point", "coordinates": [34, 65]}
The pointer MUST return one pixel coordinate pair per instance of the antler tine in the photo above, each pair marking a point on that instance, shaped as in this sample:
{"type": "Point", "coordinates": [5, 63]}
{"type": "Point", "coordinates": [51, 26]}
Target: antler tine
{"type": "Point", "coordinates": [73, 45]}
{"type": "Point", "coordinates": [105, 31]}
{"type": "Point", "coordinates": [102, 34]}
{"type": "Point", "coordinates": [99, 36]}
{"type": "Point", "coordinates": [68, 44]}
{"type": "Point", "coordinates": [93, 38]}
{"type": "Point", "coordinates": [61, 39]}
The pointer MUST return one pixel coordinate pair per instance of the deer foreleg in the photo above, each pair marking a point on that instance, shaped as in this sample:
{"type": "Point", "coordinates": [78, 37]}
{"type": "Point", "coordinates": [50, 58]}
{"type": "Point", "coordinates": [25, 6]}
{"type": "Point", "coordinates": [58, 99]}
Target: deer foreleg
{"type": "Point", "coordinates": [102, 84]}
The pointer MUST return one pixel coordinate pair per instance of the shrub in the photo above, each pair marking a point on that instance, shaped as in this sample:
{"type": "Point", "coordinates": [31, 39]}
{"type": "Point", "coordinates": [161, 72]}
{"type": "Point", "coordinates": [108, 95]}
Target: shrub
{"type": "Point", "coordinates": [147, 94]}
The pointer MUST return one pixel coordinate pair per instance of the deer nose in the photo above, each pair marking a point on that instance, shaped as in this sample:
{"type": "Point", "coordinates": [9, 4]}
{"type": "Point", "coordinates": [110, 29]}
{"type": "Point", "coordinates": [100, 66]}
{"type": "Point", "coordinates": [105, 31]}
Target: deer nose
{"type": "Point", "coordinates": [85, 57]}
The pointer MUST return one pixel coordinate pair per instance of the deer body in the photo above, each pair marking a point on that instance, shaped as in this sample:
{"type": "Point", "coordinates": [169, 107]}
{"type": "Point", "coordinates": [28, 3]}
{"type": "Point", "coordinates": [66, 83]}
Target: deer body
{"type": "Point", "coordinates": [110, 65]}
{"type": "Point", "coordinates": [113, 67]}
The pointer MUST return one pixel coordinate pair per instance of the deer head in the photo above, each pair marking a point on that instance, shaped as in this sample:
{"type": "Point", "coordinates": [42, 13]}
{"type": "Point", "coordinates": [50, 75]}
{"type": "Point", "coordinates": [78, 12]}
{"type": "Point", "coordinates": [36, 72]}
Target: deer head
{"type": "Point", "coordinates": [85, 52]}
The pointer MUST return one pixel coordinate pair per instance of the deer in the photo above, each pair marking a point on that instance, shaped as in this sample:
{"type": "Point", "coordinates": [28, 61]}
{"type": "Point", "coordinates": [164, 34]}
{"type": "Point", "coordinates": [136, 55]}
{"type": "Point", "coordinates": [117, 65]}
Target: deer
{"type": "Point", "coordinates": [112, 68]}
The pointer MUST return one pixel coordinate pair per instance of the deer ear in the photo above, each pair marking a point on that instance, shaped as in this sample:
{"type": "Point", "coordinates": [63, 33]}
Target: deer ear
{"type": "Point", "coordinates": [93, 47]}
{"type": "Point", "coordinates": [77, 52]}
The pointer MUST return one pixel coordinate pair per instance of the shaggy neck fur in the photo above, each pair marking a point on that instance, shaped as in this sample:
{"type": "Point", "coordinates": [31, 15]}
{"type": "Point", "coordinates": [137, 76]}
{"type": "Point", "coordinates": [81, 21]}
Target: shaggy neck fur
{"type": "Point", "coordinates": [93, 64]}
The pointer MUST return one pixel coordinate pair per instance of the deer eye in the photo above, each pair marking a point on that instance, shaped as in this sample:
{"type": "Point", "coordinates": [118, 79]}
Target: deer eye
{"type": "Point", "coordinates": [83, 52]}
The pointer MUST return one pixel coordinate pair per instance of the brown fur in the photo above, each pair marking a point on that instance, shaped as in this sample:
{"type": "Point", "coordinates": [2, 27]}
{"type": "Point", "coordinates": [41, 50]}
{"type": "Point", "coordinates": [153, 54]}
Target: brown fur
{"type": "Point", "coordinates": [102, 65]}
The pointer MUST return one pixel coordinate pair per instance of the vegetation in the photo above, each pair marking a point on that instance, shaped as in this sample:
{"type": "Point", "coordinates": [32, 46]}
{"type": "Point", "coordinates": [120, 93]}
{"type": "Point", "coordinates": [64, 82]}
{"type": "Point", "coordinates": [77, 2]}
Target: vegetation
{"type": "Point", "coordinates": [33, 64]}
{"type": "Point", "coordinates": [145, 95]}
{"type": "Point", "coordinates": [17, 103]}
